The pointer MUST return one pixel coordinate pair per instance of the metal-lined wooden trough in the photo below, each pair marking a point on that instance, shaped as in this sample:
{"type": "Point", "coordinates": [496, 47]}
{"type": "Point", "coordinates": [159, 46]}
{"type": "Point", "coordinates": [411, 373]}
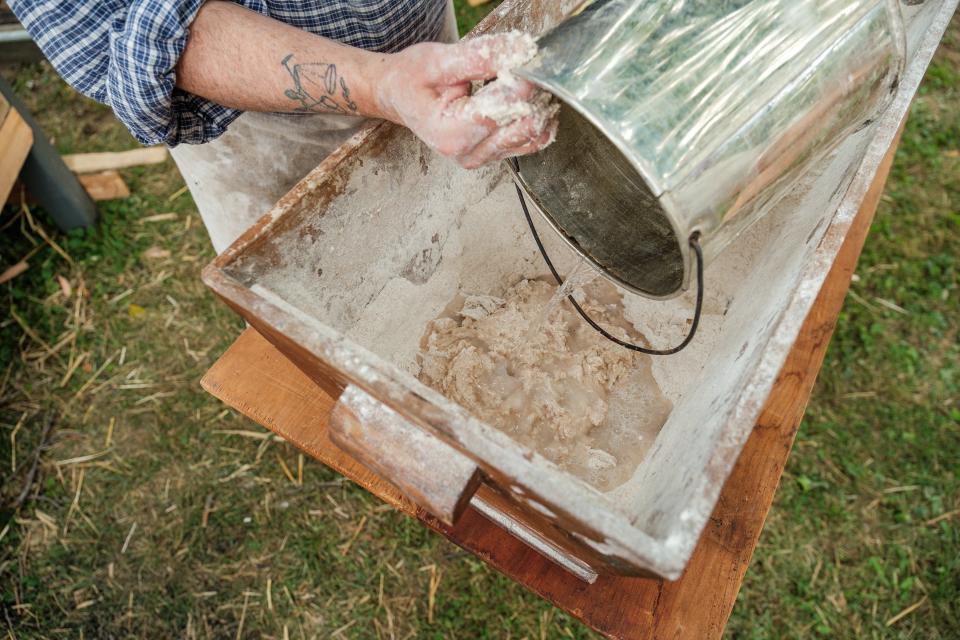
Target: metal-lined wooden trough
{"type": "Point", "coordinates": [346, 271]}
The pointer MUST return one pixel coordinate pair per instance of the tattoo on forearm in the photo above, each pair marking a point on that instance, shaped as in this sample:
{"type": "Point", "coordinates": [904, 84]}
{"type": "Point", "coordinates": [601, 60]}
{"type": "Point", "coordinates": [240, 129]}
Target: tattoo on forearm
{"type": "Point", "coordinates": [317, 87]}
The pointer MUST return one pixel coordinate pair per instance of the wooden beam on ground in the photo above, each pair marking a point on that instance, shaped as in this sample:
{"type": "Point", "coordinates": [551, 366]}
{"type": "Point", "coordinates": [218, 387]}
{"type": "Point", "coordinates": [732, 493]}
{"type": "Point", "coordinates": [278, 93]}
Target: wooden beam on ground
{"type": "Point", "coordinates": [95, 162]}
{"type": "Point", "coordinates": [106, 185]}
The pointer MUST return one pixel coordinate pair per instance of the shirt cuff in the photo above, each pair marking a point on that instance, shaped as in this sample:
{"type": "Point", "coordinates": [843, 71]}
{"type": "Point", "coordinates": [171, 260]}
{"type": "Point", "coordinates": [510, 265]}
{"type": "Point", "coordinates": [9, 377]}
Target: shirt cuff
{"type": "Point", "coordinates": [145, 46]}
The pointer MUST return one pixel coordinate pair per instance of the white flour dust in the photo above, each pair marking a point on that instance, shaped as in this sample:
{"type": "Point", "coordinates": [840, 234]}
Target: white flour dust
{"type": "Point", "coordinates": [498, 100]}
{"type": "Point", "coordinates": [563, 390]}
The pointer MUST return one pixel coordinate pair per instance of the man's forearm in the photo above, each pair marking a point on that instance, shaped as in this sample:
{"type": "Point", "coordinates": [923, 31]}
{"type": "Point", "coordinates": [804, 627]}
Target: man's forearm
{"type": "Point", "coordinates": [241, 59]}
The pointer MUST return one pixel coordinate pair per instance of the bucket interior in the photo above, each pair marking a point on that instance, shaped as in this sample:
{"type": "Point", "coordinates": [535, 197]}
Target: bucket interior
{"type": "Point", "coordinates": [596, 198]}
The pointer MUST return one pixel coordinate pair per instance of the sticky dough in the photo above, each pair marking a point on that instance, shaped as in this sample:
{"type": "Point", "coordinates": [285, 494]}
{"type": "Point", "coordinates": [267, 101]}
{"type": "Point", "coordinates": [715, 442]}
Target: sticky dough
{"type": "Point", "coordinates": [547, 386]}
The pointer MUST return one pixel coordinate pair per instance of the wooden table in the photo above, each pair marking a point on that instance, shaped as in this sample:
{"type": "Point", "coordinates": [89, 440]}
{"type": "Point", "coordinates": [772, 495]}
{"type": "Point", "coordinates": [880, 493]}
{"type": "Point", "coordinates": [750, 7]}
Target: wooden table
{"type": "Point", "coordinates": [257, 380]}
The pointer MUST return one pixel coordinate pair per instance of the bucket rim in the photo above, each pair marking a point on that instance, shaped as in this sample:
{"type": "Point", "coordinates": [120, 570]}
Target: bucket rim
{"type": "Point", "coordinates": [681, 234]}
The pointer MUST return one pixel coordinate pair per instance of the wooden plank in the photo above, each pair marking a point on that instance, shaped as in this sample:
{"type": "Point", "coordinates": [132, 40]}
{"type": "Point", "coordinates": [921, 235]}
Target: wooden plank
{"type": "Point", "coordinates": [94, 162]}
{"type": "Point", "coordinates": [16, 45]}
{"type": "Point", "coordinates": [16, 138]}
{"type": "Point", "coordinates": [106, 185]}
{"type": "Point", "coordinates": [255, 378]}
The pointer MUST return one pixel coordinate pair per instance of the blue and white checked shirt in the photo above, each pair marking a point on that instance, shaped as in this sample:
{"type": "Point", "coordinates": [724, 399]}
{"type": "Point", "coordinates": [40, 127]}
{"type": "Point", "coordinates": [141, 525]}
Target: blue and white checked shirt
{"type": "Point", "coordinates": [123, 52]}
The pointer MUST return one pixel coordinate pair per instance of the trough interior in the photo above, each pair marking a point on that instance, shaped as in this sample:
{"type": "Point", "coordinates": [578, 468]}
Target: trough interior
{"type": "Point", "coordinates": [408, 230]}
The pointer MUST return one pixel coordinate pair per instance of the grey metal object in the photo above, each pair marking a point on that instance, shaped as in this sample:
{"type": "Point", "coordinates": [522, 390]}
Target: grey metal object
{"type": "Point", "coordinates": [48, 179]}
{"type": "Point", "coordinates": [684, 117]}
{"type": "Point", "coordinates": [535, 539]}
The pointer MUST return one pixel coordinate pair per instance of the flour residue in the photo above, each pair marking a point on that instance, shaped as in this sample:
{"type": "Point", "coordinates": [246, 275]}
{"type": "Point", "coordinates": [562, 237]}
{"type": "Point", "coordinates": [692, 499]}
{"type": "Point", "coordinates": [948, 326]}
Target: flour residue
{"type": "Point", "coordinates": [500, 99]}
{"type": "Point", "coordinates": [563, 390]}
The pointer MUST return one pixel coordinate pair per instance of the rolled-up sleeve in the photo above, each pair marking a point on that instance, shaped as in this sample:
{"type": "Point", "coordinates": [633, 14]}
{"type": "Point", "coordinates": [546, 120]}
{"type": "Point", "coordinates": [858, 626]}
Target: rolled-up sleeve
{"type": "Point", "coordinates": [124, 54]}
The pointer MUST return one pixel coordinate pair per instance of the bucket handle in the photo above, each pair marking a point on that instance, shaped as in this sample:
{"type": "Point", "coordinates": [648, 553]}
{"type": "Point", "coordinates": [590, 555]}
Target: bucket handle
{"type": "Point", "coordinates": [694, 244]}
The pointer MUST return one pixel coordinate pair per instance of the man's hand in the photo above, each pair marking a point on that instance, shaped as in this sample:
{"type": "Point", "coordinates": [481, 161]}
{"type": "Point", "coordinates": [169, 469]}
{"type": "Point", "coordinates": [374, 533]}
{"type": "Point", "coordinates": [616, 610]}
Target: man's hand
{"type": "Point", "coordinates": [427, 88]}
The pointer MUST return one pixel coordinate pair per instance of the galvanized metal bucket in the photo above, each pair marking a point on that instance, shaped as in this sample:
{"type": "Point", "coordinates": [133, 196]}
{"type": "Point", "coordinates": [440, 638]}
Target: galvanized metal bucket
{"type": "Point", "coordinates": [693, 117]}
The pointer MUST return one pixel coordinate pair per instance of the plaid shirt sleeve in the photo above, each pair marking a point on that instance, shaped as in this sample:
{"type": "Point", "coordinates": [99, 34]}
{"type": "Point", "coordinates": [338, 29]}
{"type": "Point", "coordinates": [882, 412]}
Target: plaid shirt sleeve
{"type": "Point", "coordinates": [123, 53]}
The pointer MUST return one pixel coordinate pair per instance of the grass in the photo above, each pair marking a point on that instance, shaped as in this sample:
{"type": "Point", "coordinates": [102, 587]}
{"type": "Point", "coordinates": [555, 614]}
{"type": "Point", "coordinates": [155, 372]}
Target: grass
{"type": "Point", "coordinates": [183, 522]}
{"type": "Point", "coordinates": [861, 527]}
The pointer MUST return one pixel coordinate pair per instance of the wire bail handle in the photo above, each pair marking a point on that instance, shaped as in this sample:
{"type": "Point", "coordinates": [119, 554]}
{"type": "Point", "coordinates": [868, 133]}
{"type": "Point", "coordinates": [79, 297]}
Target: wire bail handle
{"type": "Point", "coordinates": [694, 244]}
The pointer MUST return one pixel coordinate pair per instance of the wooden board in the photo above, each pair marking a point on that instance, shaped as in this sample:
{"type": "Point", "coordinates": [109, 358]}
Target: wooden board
{"type": "Point", "coordinates": [106, 185]}
{"type": "Point", "coordinates": [95, 162]}
{"type": "Point", "coordinates": [16, 138]}
{"type": "Point", "coordinates": [253, 377]}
